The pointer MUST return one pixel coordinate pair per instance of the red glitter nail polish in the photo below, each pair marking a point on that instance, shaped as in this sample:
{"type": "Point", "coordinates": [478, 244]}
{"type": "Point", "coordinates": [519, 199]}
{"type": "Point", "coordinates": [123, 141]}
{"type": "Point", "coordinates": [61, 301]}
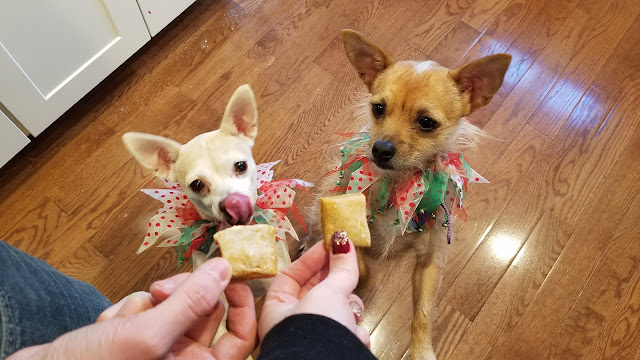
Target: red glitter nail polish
{"type": "Point", "coordinates": [340, 242]}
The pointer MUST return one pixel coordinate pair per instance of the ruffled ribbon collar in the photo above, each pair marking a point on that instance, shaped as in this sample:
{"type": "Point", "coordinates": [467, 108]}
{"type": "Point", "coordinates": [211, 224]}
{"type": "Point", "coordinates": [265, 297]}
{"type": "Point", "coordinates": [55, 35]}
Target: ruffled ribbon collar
{"type": "Point", "coordinates": [411, 201]}
{"type": "Point", "coordinates": [178, 224]}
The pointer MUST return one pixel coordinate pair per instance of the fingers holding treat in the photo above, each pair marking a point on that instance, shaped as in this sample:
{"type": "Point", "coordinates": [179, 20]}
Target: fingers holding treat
{"type": "Point", "coordinates": [345, 213]}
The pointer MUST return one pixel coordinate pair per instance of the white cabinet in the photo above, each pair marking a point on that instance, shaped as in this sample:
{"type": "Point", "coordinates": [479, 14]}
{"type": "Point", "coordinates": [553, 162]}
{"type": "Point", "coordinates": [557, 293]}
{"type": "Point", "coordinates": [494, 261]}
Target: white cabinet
{"type": "Point", "coordinates": [12, 140]}
{"type": "Point", "coordinates": [53, 52]}
{"type": "Point", "coordinates": [158, 13]}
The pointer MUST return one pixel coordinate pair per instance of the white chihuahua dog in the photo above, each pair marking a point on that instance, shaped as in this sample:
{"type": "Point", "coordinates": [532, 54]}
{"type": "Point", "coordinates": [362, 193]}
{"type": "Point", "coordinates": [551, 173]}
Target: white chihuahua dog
{"type": "Point", "coordinates": [215, 169]}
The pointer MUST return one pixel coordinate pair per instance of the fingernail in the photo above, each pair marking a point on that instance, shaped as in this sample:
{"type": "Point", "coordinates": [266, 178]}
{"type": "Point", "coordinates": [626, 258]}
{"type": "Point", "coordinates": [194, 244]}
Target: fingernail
{"type": "Point", "coordinates": [357, 310]}
{"type": "Point", "coordinates": [339, 242]}
{"type": "Point", "coordinates": [165, 285]}
{"type": "Point", "coordinates": [219, 268]}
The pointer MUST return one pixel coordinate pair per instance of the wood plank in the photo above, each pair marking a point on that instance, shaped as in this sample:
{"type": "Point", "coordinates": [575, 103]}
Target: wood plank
{"type": "Point", "coordinates": [597, 301]}
{"type": "Point", "coordinates": [608, 143]}
{"type": "Point", "coordinates": [567, 150]}
{"type": "Point", "coordinates": [579, 73]}
{"type": "Point", "coordinates": [523, 29]}
{"type": "Point", "coordinates": [385, 290]}
{"type": "Point", "coordinates": [432, 29]}
{"type": "Point", "coordinates": [84, 263]}
{"type": "Point", "coordinates": [52, 155]}
{"type": "Point", "coordinates": [392, 337]}
{"type": "Point", "coordinates": [374, 17]}
{"type": "Point", "coordinates": [595, 8]}
{"type": "Point", "coordinates": [485, 203]}
{"type": "Point", "coordinates": [163, 116]}
{"type": "Point", "coordinates": [484, 269]}
{"type": "Point", "coordinates": [291, 32]}
{"type": "Point", "coordinates": [94, 214]}
{"type": "Point", "coordinates": [449, 328]}
{"type": "Point", "coordinates": [35, 227]}
{"type": "Point", "coordinates": [126, 271]}
{"type": "Point", "coordinates": [283, 108]}
{"type": "Point", "coordinates": [536, 83]}
{"type": "Point", "coordinates": [483, 12]}
{"type": "Point", "coordinates": [197, 49]}
{"type": "Point", "coordinates": [516, 289]}
{"type": "Point", "coordinates": [619, 339]}
{"type": "Point", "coordinates": [165, 266]}
{"type": "Point", "coordinates": [538, 326]}
{"type": "Point", "coordinates": [621, 68]}
{"type": "Point", "coordinates": [250, 5]}
{"type": "Point", "coordinates": [323, 112]}
{"type": "Point", "coordinates": [400, 24]}
{"type": "Point", "coordinates": [454, 45]}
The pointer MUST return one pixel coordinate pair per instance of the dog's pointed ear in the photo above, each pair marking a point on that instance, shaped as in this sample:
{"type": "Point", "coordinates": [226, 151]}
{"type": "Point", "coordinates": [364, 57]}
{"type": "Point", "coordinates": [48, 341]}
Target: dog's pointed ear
{"type": "Point", "coordinates": [368, 59]}
{"type": "Point", "coordinates": [482, 78]}
{"type": "Point", "coordinates": [153, 152]}
{"type": "Point", "coordinates": [241, 115]}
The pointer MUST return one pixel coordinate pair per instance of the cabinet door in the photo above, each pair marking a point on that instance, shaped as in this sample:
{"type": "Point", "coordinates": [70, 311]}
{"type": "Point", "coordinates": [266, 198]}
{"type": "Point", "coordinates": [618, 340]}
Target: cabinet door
{"type": "Point", "coordinates": [12, 140]}
{"type": "Point", "coordinates": [53, 52]}
{"type": "Point", "coordinates": [158, 13]}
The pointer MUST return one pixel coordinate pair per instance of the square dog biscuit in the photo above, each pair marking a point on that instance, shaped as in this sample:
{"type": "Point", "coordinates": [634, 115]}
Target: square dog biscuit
{"type": "Point", "coordinates": [345, 213]}
{"type": "Point", "coordinates": [251, 250]}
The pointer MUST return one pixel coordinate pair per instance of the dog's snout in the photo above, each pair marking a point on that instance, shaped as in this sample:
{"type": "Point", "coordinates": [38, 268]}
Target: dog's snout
{"type": "Point", "coordinates": [383, 150]}
{"type": "Point", "coordinates": [238, 208]}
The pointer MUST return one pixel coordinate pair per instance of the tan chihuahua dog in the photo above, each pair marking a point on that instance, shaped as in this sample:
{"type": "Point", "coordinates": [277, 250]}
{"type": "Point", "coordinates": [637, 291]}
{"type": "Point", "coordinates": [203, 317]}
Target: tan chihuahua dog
{"type": "Point", "coordinates": [417, 111]}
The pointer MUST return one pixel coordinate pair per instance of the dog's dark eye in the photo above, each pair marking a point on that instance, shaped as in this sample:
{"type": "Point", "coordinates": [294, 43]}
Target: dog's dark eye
{"type": "Point", "coordinates": [377, 109]}
{"type": "Point", "coordinates": [196, 186]}
{"type": "Point", "coordinates": [241, 167]}
{"type": "Point", "coordinates": [427, 124]}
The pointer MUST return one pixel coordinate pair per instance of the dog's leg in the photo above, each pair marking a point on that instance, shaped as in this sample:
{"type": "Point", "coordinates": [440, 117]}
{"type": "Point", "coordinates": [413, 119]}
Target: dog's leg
{"type": "Point", "coordinates": [426, 280]}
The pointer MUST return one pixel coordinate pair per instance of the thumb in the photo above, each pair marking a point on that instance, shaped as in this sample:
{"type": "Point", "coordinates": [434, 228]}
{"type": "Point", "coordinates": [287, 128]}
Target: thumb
{"type": "Point", "coordinates": [192, 300]}
{"type": "Point", "coordinates": [343, 264]}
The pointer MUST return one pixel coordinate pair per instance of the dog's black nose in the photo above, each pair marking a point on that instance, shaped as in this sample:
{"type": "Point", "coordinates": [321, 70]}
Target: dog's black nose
{"type": "Point", "coordinates": [383, 150]}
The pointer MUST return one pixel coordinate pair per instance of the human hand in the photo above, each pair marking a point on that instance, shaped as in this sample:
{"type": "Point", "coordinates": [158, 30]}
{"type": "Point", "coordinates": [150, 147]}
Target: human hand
{"type": "Point", "coordinates": [316, 283]}
{"type": "Point", "coordinates": [177, 319]}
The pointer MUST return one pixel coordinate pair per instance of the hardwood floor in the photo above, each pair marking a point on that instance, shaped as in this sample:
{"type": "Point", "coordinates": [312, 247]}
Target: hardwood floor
{"type": "Point", "coordinates": [547, 265]}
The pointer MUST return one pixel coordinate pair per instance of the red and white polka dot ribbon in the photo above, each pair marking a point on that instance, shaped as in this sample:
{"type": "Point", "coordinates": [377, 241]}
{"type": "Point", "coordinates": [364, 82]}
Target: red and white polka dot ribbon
{"type": "Point", "coordinates": [275, 199]}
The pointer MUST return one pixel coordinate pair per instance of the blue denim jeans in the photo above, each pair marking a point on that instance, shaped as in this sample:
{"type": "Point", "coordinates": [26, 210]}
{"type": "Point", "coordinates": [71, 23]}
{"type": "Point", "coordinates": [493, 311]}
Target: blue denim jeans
{"type": "Point", "coordinates": [39, 303]}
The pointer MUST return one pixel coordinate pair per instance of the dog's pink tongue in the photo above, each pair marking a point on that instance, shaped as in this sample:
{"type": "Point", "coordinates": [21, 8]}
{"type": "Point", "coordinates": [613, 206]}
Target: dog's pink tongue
{"type": "Point", "coordinates": [239, 207]}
